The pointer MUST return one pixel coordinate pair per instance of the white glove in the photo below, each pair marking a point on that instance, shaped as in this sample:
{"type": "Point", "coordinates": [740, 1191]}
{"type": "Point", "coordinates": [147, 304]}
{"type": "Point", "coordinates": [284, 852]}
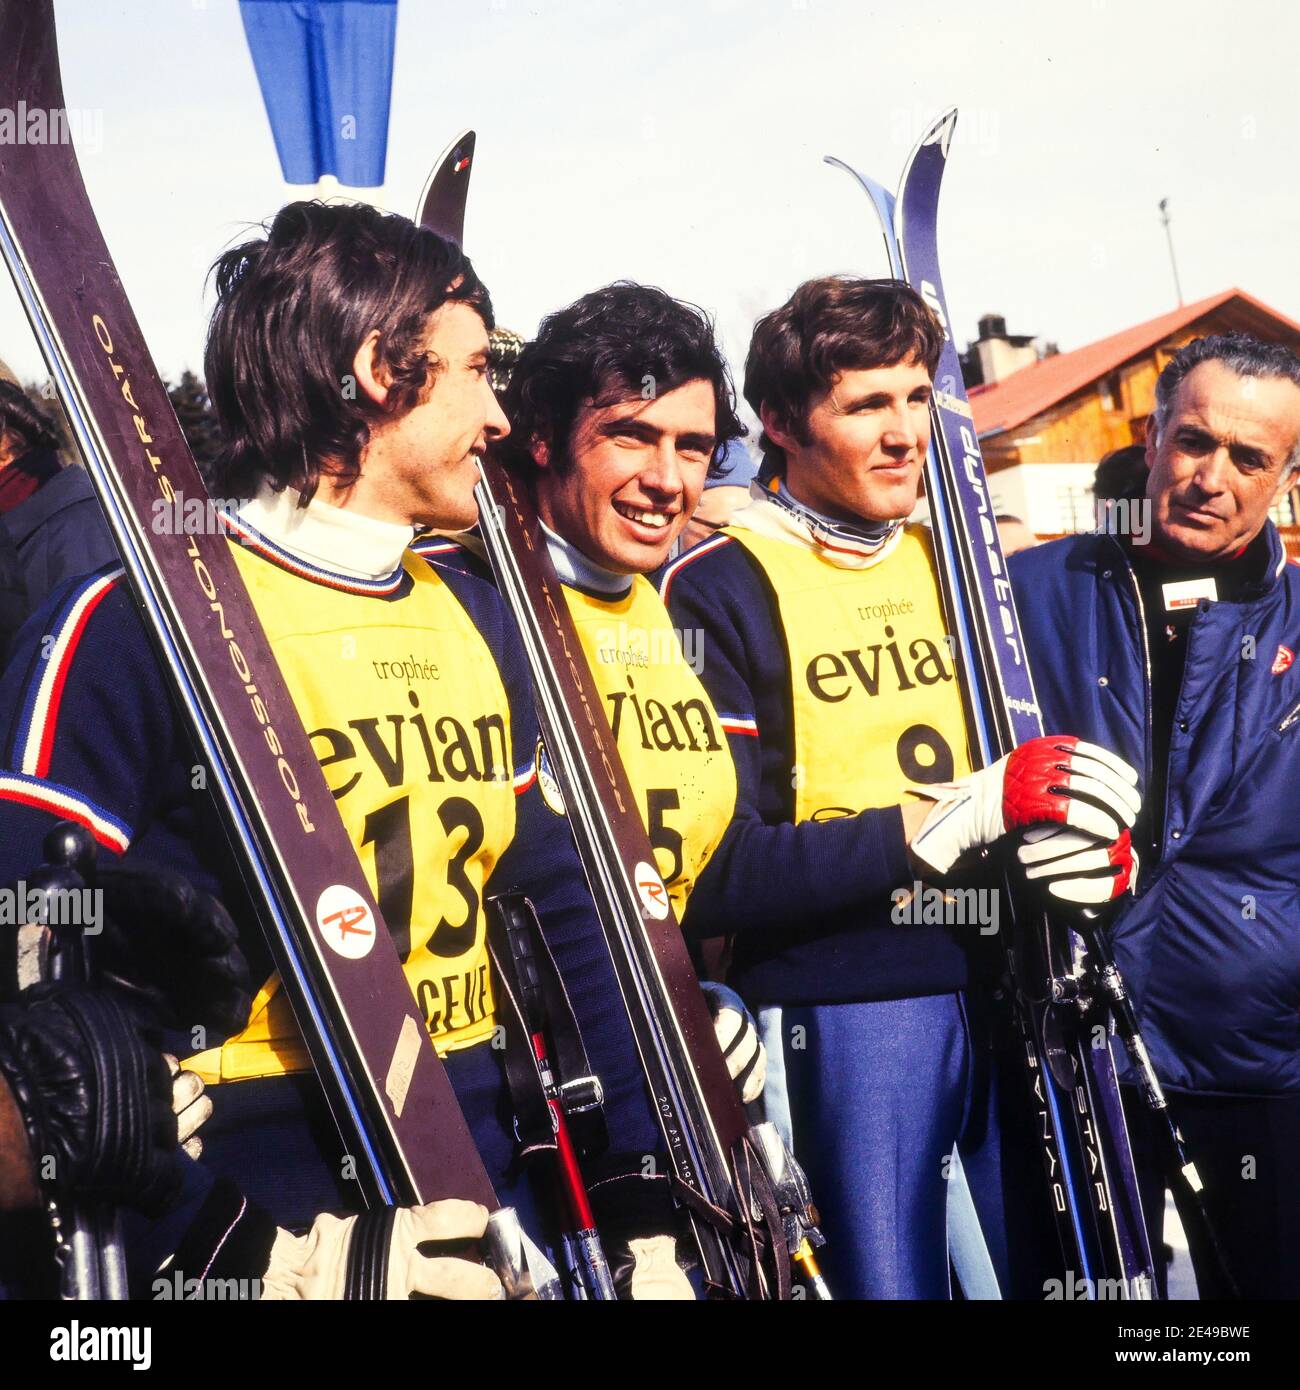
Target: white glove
{"type": "Point", "coordinates": [656, 1275]}
{"type": "Point", "coordinates": [189, 1104]}
{"type": "Point", "coordinates": [1053, 780]}
{"type": "Point", "coordinates": [315, 1266]}
{"type": "Point", "coordinates": [1078, 868]}
{"type": "Point", "coordinates": [737, 1035]}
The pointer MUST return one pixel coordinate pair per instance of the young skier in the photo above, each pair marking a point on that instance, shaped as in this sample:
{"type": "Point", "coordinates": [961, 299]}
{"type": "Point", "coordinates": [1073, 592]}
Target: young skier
{"type": "Point", "coordinates": [824, 642]}
{"type": "Point", "coordinates": [347, 360]}
{"type": "Point", "coordinates": [619, 408]}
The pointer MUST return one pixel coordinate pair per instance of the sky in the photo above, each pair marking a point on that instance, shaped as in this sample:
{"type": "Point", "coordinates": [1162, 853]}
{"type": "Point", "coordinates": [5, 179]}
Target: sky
{"type": "Point", "coordinates": [681, 144]}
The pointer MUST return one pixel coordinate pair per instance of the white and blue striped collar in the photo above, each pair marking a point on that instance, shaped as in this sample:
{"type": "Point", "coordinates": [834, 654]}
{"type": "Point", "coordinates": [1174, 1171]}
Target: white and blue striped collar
{"type": "Point", "coordinates": [328, 545]}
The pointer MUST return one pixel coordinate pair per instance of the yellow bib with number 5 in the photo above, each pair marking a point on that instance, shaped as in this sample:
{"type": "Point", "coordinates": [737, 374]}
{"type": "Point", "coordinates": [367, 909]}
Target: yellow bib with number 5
{"type": "Point", "coordinates": [876, 702]}
{"type": "Point", "coordinates": [667, 731]}
{"type": "Point", "coordinates": [406, 710]}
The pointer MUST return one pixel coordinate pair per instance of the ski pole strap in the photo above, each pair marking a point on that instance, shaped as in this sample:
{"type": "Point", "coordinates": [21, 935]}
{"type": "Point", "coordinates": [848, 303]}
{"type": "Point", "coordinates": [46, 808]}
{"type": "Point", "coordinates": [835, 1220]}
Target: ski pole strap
{"type": "Point", "coordinates": [533, 1127]}
{"type": "Point", "coordinates": [758, 1223]}
{"type": "Point", "coordinates": [524, 960]}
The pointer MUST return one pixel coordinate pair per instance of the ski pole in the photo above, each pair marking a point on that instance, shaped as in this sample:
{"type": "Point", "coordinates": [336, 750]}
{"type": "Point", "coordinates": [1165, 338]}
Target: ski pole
{"type": "Point", "coordinates": [793, 1195]}
{"type": "Point", "coordinates": [1179, 1167]}
{"type": "Point", "coordinates": [88, 1237]}
{"type": "Point", "coordinates": [513, 920]}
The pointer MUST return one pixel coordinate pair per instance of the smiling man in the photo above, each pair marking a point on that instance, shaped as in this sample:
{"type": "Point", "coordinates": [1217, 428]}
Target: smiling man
{"type": "Point", "coordinates": [619, 410]}
{"type": "Point", "coordinates": [824, 643]}
{"type": "Point", "coordinates": [1182, 657]}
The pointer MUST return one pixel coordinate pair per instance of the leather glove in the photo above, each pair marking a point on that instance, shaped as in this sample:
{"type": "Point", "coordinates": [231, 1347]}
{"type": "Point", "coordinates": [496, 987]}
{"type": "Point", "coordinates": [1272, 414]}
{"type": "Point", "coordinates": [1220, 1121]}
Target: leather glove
{"type": "Point", "coordinates": [655, 1276]}
{"type": "Point", "coordinates": [1076, 868]}
{"type": "Point", "coordinates": [191, 1106]}
{"type": "Point", "coordinates": [1052, 780]}
{"type": "Point", "coordinates": [378, 1256]}
{"type": "Point", "coordinates": [95, 1096]}
{"type": "Point", "coordinates": [173, 944]}
{"type": "Point", "coordinates": [737, 1034]}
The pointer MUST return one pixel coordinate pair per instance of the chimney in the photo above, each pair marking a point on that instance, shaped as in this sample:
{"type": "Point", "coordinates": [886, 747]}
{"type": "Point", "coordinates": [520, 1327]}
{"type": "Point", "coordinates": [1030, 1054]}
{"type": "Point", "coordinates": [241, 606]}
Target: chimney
{"type": "Point", "coordinates": [998, 353]}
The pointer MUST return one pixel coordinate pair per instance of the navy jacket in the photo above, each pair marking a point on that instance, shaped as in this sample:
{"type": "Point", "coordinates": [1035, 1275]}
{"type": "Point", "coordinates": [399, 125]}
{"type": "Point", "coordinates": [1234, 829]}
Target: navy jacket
{"type": "Point", "coordinates": [58, 532]}
{"type": "Point", "coordinates": [1210, 946]}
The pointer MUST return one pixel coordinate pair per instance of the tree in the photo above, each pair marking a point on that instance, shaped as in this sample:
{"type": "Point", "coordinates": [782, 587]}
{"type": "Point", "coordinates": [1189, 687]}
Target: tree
{"type": "Point", "coordinates": [198, 420]}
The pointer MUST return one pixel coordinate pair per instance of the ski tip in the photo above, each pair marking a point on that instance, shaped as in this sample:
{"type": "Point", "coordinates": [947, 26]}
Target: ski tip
{"type": "Point", "coordinates": [442, 200]}
{"type": "Point", "coordinates": [940, 131]}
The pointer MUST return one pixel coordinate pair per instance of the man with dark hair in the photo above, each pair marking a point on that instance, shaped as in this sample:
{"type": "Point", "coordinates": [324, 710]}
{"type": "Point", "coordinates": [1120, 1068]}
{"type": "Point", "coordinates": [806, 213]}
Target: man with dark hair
{"type": "Point", "coordinates": [347, 360]}
{"type": "Point", "coordinates": [824, 644]}
{"type": "Point", "coordinates": [51, 526]}
{"type": "Point", "coordinates": [620, 408]}
{"type": "Point", "coordinates": [1182, 657]}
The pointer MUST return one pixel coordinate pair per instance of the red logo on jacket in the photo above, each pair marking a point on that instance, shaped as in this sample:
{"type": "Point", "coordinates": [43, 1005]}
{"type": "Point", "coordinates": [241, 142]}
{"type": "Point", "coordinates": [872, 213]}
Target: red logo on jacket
{"type": "Point", "coordinates": [1285, 656]}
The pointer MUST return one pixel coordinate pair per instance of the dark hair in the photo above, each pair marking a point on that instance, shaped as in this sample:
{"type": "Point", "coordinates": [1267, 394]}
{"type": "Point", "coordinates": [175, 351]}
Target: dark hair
{"type": "Point", "coordinates": [833, 324]}
{"type": "Point", "coordinates": [1121, 474]}
{"type": "Point", "coordinates": [21, 416]}
{"type": "Point", "coordinates": [1240, 353]}
{"type": "Point", "coordinates": [292, 310]}
{"type": "Point", "coordinates": [603, 348]}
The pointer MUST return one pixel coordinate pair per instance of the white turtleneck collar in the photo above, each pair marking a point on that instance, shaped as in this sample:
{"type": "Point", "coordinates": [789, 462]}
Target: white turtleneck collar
{"type": "Point", "coordinates": [328, 537]}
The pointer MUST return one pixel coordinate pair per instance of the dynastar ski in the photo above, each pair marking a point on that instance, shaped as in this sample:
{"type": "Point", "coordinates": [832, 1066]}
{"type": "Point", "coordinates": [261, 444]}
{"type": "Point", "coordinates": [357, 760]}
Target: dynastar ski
{"type": "Point", "coordinates": [748, 1217]}
{"type": "Point", "coordinates": [388, 1090]}
{"type": "Point", "coordinates": [1062, 1021]}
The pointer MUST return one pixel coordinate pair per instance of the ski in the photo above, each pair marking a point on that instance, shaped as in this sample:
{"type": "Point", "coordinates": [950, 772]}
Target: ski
{"type": "Point", "coordinates": [388, 1091]}
{"type": "Point", "coordinates": [442, 202]}
{"type": "Point", "coordinates": [718, 1173]}
{"type": "Point", "coordinates": [1075, 1094]}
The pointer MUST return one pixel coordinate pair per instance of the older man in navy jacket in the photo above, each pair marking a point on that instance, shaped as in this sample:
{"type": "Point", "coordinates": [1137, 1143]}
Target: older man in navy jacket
{"type": "Point", "coordinates": [1181, 658]}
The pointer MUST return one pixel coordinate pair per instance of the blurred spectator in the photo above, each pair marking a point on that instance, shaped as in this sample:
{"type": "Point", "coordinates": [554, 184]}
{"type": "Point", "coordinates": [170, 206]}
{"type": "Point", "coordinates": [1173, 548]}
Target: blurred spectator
{"type": "Point", "coordinates": [1014, 533]}
{"type": "Point", "coordinates": [51, 526]}
{"type": "Point", "coordinates": [1121, 474]}
{"type": "Point", "coordinates": [723, 495]}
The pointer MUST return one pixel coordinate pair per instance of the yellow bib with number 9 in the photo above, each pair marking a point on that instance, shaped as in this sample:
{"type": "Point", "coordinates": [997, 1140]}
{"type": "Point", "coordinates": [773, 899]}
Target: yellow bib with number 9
{"type": "Point", "coordinates": [406, 711]}
{"type": "Point", "coordinates": [876, 702]}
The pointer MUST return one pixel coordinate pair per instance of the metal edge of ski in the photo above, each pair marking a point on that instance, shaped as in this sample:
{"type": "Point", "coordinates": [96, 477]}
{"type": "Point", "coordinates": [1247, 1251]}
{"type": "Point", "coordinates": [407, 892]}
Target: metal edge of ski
{"type": "Point", "coordinates": [699, 1112]}
{"type": "Point", "coordinates": [442, 200]}
{"type": "Point", "coordinates": [1083, 1090]}
{"type": "Point", "coordinates": [1061, 1106]}
{"type": "Point", "coordinates": [389, 1092]}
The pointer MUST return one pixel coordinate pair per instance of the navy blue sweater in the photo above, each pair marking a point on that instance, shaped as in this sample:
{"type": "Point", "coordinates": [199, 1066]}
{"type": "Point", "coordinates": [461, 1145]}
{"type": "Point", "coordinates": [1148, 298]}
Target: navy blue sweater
{"type": "Point", "coordinates": [809, 905]}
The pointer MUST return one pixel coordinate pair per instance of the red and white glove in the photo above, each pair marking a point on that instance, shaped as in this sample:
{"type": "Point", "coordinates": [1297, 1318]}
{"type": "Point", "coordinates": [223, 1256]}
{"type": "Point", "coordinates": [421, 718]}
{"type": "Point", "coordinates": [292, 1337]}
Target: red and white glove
{"type": "Point", "coordinates": [1078, 868]}
{"type": "Point", "coordinates": [1056, 780]}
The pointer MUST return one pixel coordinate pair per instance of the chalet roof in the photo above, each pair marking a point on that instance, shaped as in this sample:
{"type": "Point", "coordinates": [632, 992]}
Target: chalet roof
{"type": "Point", "coordinates": [1019, 397]}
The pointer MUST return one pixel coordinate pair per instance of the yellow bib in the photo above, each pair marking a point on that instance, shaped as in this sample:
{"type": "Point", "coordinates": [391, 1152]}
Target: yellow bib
{"type": "Point", "coordinates": [406, 711]}
{"type": "Point", "coordinates": [876, 704]}
{"type": "Point", "coordinates": [667, 732]}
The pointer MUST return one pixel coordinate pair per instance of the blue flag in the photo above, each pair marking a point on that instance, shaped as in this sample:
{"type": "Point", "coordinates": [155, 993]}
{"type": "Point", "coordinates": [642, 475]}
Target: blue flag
{"type": "Point", "coordinates": [326, 72]}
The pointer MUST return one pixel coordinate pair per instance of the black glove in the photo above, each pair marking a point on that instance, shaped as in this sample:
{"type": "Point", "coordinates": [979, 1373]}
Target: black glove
{"type": "Point", "coordinates": [174, 944]}
{"type": "Point", "coordinates": [95, 1096]}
